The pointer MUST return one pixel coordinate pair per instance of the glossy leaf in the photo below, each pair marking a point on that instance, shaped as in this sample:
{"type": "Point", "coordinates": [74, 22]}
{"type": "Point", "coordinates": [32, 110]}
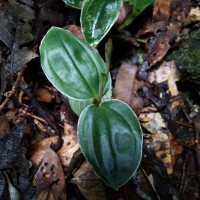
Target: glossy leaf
{"type": "Point", "coordinates": [97, 17]}
{"type": "Point", "coordinates": [71, 65]}
{"type": "Point", "coordinates": [78, 106]}
{"type": "Point", "coordinates": [138, 7]}
{"type": "Point", "coordinates": [110, 137]}
{"type": "Point", "coordinates": [74, 3]}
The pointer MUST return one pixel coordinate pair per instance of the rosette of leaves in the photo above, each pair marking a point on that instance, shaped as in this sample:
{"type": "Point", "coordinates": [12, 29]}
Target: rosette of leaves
{"type": "Point", "coordinates": [109, 132]}
{"type": "Point", "coordinates": [98, 16]}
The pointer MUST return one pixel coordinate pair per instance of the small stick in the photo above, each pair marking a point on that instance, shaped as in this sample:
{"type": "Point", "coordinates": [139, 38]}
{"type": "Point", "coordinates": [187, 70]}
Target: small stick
{"type": "Point", "coordinates": [73, 164]}
{"type": "Point", "coordinates": [41, 111]}
{"type": "Point", "coordinates": [14, 88]}
{"type": "Point", "coordinates": [32, 115]}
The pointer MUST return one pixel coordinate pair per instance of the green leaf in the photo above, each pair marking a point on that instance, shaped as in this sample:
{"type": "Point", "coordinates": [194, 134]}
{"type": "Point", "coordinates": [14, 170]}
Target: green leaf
{"type": "Point", "coordinates": [97, 17]}
{"type": "Point", "coordinates": [141, 5]}
{"type": "Point", "coordinates": [110, 137]}
{"type": "Point", "coordinates": [138, 7]}
{"type": "Point", "coordinates": [71, 65]}
{"type": "Point", "coordinates": [78, 106]}
{"type": "Point", "coordinates": [74, 3]}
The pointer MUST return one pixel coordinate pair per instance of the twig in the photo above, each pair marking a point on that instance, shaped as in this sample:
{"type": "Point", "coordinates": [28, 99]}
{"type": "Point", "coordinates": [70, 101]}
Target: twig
{"type": "Point", "coordinates": [33, 116]}
{"type": "Point", "coordinates": [73, 164]}
{"type": "Point", "coordinates": [152, 186]}
{"type": "Point", "coordinates": [183, 177]}
{"type": "Point", "coordinates": [39, 108]}
{"type": "Point", "coordinates": [196, 148]}
{"type": "Point", "coordinates": [14, 88]}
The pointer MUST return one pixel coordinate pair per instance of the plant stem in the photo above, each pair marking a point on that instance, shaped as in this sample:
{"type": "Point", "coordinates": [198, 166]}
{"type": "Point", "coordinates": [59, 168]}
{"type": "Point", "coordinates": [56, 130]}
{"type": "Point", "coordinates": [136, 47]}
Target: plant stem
{"type": "Point", "coordinates": [104, 76]}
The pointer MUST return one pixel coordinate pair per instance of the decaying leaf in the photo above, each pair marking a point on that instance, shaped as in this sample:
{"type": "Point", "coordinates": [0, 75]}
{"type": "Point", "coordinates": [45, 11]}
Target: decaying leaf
{"type": "Point", "coordinates": [159, 140]}
{"type": "Point", "coordinates": [70, 146]}
{"type": "Point", "coordinates": [12, 159]}
{"type": "Point", "coordinates": [153, 122]}
{"type": "Point", "coordinates": [50, 180]}
{"type": "Point", "coordinates": [127, 86]}
{"type": "Point", "coordinates": [15, 33]}
{"type": "Point", "coordinates": [90, 185]}
{"type": "Point", "coordinates": [42, 94]}
{"type": "Point", "coordinates": [22, 34]}
{"type": "Point", "coordinates": [161, 11]}
{"type": "Point", "coordinates": [65, 153]}
{"type": "Point", "coordinates": [193, 16]}
{"type": "Point", "coordinates": [179, 11]}
{"type": "Point", "coordinates": [167, 71]}
{"type": "Point", "coordinates": [167, 21]}
{"type": "Point", "coordinates": [159, 48]}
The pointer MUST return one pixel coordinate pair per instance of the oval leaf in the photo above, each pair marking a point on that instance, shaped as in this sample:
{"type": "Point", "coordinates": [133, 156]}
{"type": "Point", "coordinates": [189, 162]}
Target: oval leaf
{"type": "Point", "coordinates": [110, 137]}
{"type": "Point", "coordinates": [97, 17]}
{"type": "Point", "coordinates": [71, 65]}
{"type": "Point", "coordinates": [74, 3]}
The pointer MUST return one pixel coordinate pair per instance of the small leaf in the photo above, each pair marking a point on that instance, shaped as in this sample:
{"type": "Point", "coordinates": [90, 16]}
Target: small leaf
{"type": "Point", "coordinates": [97, 17]}
{"type": "Point", "coordinates": [74, 3]}
{"type": "Point", "coordinates": [71, 65]}
{"type": "Point", "coordinates": [110, 137]}
{"type": "Point", "coordinates": [138, 7]}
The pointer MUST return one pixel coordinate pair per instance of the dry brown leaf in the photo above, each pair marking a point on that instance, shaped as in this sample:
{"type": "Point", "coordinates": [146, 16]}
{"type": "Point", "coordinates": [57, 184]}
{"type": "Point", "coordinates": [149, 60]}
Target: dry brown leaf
{"type": "Point", "coordinates": [154, 29]}
{"type": "Point", "coordinates": [193, 16]}
{"type": "Point", "coordinates": [50, 179]}
{"type": "Point", "coordinates": [69, 146]}
{"type": "Point", "coordinates": [159, 142]}
{"type": "Point", "coordinates": [127, 86]}
{"type": "Point", "coordinates": [159, 48]}
{"type": "Point", "coordinates": [167, 71]}
{"type": "Point", "coordinates": [153, 122]}
{"type": "Point", "coordinates": [89, 183]}
{"type": "Point", "coordinates": [42, 94]}
{"type": "Point", "coordinates": [159, 44]}
{"type": "Point", "coordinates": [161, 11]}
{"type": "Point", "coordinates": [180, 10]}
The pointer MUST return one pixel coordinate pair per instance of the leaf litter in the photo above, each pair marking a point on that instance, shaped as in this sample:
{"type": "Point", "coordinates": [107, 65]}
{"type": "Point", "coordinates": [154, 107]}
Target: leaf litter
{"type": "Point", "coordinates": [42, 160]}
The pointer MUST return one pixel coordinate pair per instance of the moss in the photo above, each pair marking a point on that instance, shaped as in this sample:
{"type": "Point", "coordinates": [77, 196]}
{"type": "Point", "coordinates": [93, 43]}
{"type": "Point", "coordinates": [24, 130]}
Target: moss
{"type": "Point", "coordinates": [187, 58]}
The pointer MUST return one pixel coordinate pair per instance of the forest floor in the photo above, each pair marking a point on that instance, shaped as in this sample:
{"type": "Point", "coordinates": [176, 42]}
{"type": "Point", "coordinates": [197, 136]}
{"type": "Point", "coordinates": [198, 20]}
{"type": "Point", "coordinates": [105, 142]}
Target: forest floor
{"type": "Point", "coordinates": [38, 135]}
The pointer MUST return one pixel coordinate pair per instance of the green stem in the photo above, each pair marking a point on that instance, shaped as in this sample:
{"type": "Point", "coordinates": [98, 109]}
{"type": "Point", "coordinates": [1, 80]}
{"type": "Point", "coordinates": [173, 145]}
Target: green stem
{"type": "Point", "coordinates": [104, 76]}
